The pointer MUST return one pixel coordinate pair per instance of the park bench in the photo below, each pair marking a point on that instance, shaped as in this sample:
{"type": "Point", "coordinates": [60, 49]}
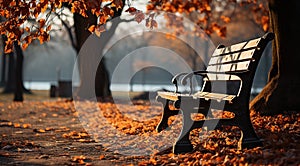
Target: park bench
{"type": "Point", "coordinates": [227, 83]}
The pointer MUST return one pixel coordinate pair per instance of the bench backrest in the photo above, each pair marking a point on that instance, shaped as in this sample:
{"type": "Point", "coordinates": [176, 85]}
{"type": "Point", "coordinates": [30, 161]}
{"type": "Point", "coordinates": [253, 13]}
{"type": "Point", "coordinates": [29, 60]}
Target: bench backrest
{"type": "Point", "coordinates": [230, 68]}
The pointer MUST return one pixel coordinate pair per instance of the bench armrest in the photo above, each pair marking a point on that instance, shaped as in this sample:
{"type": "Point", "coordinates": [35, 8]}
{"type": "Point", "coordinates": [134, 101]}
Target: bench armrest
{"type": "Point", "coordinates": [189, 76]}
{"type": "Point", "coordinates": [204, 74]}
{"type": "Point", "coordinates": [175, 78]}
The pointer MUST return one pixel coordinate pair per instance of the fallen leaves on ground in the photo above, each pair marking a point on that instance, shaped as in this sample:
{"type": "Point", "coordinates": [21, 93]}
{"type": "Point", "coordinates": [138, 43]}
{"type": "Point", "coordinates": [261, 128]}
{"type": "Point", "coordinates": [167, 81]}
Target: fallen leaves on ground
{"type": "Point", "coordinates": [115, 127]}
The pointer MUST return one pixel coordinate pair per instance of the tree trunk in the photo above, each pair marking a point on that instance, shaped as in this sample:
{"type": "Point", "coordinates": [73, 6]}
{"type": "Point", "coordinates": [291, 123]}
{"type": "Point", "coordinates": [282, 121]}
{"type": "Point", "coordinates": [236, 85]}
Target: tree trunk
{"type": "Point", "coordinates": [283, 89]}
{"type": "Point", "coordinates": [81, 27]}
{"type": "Point", "coordinates": [102, 80]}
{"type": "Point", "coordinates": [3, 71]}
{"type": "Point", "coordinates": [9, 85]}
{"type": "Point", "coordinates": [18, 93]}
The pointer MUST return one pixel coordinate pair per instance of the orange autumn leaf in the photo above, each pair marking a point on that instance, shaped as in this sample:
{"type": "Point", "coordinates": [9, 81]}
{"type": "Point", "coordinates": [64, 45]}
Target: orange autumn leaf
{"type": "Point", "coordinates": [24, 46]}
{"type": "Point", "coordinates": [27, 29]}
{"type": "Point", "coordinates": [44, 8]}
{"type": "Point", "coordinates": [41, 131]}
{"type": "Point", "coordinates": [92, 28]}
{"type": "Point", "coordinates": [48, 28]}
{"type": "Point", "coordinates": [117, 3]}
{"type": "Point", "coordinates": [13, 3]}
{"type": "Point", "coordinates": [26, 126]}
{"type": "Point", "coordinates": [265, 23]}
{"type": "Point", "coordinates": [131, 10]}
{"type": "Point", "coordinates": [108, 11]}
{"type": "Point", "coordinates": [207, 7]}
{"type": "Point", "coordinates": [102, 156]}
{"type": "Point", "coordinates": [226, 19]}
{"type": "Point", "coordinates": [42, 22]}
{"type": "Point", "coordinates": [17, 125]}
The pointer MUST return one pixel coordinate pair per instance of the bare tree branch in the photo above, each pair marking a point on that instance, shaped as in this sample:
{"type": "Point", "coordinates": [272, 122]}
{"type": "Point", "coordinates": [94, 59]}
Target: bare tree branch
{"type": "Point", "coordinates": [69, 30]}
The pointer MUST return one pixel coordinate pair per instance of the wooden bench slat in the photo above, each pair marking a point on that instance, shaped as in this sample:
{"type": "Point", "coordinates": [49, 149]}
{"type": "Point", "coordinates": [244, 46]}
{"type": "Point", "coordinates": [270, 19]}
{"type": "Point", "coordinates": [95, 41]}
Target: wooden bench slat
{"type": "Point", "coordinates": [236, 47]}
{"type": "Point", "coordinates": [215, 96]}
{"type": "Point", "coordinates": [206, 95]}
{"type": "Point", "coordinates": [171, 95]}
{"type": "Point", "coordinates": [215, 77]}
{"type": "Point", "coordinates": [238, 66]}
{"type": "Point", "coordinates": [238, 56]}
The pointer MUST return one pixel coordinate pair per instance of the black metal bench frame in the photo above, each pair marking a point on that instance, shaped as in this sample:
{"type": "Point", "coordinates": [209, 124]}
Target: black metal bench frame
{"type": "Point", "coordinates": [234, 67]}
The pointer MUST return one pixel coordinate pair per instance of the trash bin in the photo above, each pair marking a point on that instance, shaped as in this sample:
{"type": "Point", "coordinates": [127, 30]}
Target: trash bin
{"type": "Point", "coordinates": [53, 91]}
{"type": "Point", "coordinates": [64, 88]}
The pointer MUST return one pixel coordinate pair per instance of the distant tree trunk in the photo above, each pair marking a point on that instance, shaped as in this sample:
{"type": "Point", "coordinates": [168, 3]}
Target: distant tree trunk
{"type": "Point", "coordinates": [283, 89]}
{"type": "Point", "coordinates": [15, 71]}
{"type": "Point", "coordinates": [9, 85]}
{"type": "Point", "coordinates": [3, 71]}
{"type": "Point", "coordinates": [18, 93]}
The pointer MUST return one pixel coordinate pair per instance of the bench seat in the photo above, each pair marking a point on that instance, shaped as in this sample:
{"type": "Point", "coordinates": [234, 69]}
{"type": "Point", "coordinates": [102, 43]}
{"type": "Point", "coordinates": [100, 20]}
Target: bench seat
{"type": "Point", "coordinates": [205, 95]}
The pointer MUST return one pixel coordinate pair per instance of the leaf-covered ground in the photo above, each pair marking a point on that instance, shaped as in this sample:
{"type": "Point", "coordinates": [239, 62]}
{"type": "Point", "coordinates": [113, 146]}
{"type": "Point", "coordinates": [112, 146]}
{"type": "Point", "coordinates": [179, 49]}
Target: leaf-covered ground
{"type": "Point", "coordinates": [61, 132]}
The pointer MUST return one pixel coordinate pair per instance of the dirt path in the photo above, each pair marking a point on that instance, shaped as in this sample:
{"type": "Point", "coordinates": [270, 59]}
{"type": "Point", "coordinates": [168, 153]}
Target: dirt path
{"type": "Point", "coordinates": [49, 133]}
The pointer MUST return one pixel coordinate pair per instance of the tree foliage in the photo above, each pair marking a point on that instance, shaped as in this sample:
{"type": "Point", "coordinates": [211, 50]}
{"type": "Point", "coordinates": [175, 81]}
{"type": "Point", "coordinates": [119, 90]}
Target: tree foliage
{"type": "Point", "coordinates": [17, 13]}
{"type": "Point", "coordinates": [209, 15]}
{"type": "Point", "coordinates": [212, 15]}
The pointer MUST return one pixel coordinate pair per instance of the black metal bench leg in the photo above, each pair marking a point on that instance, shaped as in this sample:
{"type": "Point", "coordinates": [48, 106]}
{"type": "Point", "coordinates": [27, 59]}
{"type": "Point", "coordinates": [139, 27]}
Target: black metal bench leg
{"type": "Point", "coordinates": [183, 143]}
{"type": "Point", "coordinates": [163, 124]}
{"type": "Point", "coordinates": [248, 139]}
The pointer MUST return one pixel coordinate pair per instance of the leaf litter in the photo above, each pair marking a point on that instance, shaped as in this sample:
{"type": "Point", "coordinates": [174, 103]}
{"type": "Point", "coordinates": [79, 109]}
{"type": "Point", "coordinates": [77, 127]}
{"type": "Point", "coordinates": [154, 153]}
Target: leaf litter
{"type": "Point", "coordinates": [55, 132]}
